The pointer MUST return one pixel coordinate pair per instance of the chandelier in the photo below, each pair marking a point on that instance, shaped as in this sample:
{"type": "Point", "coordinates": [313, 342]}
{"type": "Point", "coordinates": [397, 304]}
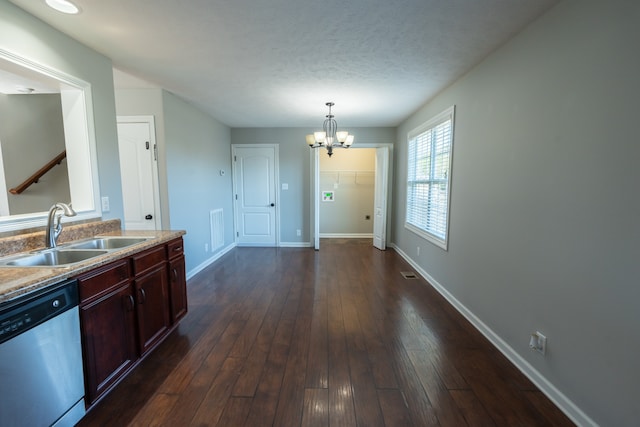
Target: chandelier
{"type": "Point", "coordinates": [330, 137]}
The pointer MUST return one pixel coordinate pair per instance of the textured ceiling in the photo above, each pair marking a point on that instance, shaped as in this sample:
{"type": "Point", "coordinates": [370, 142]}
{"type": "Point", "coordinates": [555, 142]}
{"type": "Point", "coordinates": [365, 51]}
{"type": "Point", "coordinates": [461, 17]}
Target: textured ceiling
{"type": "Point", "coordinates": [274, 63]}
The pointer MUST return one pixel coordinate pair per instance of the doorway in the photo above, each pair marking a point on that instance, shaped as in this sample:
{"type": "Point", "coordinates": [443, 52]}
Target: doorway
{"type": "Point", "coordinates": [374, 174]}
{"type": "Point", "coordinates": [347, 194]}
{"type": "Point", "coordinates": [138, 153]}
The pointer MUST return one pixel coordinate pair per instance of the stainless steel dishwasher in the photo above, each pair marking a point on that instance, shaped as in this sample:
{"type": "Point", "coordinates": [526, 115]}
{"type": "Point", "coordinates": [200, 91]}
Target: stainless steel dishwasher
{"type": "Point", "coordinates": [41, 381]}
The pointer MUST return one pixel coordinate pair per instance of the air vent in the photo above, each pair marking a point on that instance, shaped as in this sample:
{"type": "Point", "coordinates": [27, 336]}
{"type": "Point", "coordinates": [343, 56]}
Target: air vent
{"type": "Point", "coordinates": [408, 274]}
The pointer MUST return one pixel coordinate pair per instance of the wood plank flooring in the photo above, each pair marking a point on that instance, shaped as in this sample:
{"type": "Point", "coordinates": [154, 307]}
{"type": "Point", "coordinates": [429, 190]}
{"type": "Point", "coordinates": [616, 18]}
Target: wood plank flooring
{"type": "Point", "coordinates": [294, 337]}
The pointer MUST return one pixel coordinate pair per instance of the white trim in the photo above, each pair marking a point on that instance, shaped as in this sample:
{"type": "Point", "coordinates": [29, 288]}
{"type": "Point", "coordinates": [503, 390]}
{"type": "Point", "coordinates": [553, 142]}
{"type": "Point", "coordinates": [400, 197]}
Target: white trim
{"type": "Point", "coordinates": [435, 120]}
{"type": "Point", "coordinates": [4, 199]}
{"type": "Point", "coordinates": [256, 245]}
{"type": "Point", "coordinates": [346, 235]}
{"type": "Point", "coordinates": [78, 107]}
{"type": "Point", "coordinates": [570, 409]}
{"type": "Point", "coordinates": [314, 179]}
{"type": "Point", "coordinates": [209, 261]}
{"type": "Point", "coordinates": [447, 114]}
{"type": "Point", "coordinates": [428, 236]}
{"type": "Point", "coordinates": [295, 244]}
{"type": "Point", "coordinates": [380, 199]}
{"type": "Point", "coordinates": [315, 202]}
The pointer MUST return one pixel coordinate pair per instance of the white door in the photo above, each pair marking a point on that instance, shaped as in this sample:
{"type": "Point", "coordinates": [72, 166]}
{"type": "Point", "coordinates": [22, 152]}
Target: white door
{"type": "Point", "coordinates": [255, 177]}
{"type": "Point", "coordinates": [380, 198]}
{"type": "Point", "coordinates": [139, 173]}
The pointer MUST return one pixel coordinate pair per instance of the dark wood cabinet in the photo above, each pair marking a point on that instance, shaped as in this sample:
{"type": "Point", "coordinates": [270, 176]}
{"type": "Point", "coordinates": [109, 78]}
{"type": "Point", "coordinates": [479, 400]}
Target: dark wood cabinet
{"type": "Point", "coordinates": [152, 298]}
{"type": "Point", "coordinates": [177, 280]}
{"type": "Point", "coordinates": [127, 308]}
{"type": "Point", "coordinates": [107, 316]}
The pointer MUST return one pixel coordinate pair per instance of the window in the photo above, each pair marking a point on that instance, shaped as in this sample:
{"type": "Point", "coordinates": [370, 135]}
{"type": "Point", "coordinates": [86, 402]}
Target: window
{"type": "Point", "coordinates": [429, 178]}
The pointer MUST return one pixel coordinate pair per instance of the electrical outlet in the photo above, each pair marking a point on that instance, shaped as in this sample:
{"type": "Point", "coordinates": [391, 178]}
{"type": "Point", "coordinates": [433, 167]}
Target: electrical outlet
{"type": "Point", "coordinates": [105, 204]}
{"type": "Point", "coordinates": [206, 247]}
{"type": "Point", "coordinates": [298, 233]}
{"type": "Point", "coordinates": [418, 250]}
{"type": "Point", "coordinates": [538, 342]}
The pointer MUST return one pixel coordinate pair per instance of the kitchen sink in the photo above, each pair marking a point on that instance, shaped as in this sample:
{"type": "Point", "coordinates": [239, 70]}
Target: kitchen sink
{"type": "Point", "coordinates": [70, 253]}
{"type": "Point", "coordinates": [50, 258]}
{"type": "Point", "coordinates": [108, 243]}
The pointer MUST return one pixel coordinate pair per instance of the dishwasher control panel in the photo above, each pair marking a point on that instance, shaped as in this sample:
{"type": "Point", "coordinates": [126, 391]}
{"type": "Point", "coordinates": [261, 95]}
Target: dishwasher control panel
{"type": "Point", "coordinates": [26, 312]}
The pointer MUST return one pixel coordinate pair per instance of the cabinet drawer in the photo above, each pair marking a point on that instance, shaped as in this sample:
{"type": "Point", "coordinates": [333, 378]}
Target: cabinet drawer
{"type": "Point", "coordinates": [148, 259]}
{"type": "Point", "coordinates": [103, 279]}
{"type": "Point", "coordinates": [175, 248]}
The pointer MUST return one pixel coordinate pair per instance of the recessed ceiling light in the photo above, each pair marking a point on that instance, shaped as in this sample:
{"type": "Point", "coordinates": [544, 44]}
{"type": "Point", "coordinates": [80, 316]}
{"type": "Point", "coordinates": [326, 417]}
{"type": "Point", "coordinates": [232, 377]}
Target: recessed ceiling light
{"type": "Point", "coordinates": [64, 6]}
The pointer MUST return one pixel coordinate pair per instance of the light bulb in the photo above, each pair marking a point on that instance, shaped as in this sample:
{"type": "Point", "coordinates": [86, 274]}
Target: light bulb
{"type": "Point", "coordinates": [64, 6]}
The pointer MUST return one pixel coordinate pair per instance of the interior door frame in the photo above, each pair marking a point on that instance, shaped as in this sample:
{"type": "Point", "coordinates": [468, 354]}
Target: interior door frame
{"type": "Point", "coordinates": [155, 176]}
{"type": "Point", "coordinates": [314, 161]}
{"type": "Point", "coordinates": [381, 199]}
{"type": "Point", "coordinates": [276, 183]}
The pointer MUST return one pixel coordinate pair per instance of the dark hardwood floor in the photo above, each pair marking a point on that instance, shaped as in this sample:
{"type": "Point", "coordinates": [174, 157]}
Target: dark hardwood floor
{"type": "Point", "coordinates": [295, 337]}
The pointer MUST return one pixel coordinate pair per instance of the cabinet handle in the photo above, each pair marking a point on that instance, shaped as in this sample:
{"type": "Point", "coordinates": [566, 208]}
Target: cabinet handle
{"type": "Point", "coordinates": [129, 302]}
{"type": "Point", "coordinates": [143, 296]}
{"type": "Point", "coordinates": [177, 249]}
{"type": "Point", "coordinates": [175, 274]}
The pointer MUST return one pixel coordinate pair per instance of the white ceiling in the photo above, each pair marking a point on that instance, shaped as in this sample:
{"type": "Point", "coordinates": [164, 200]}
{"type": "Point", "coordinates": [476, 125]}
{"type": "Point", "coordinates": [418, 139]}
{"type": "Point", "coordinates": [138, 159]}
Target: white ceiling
{"type": "Point", "coordinates": [274, 63]}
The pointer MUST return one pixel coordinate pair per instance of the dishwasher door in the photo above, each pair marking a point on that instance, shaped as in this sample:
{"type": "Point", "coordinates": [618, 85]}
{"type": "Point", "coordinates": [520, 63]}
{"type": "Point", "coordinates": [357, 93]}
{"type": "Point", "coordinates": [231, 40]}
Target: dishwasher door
{"type": "Point", "coordinates": [41, 380]}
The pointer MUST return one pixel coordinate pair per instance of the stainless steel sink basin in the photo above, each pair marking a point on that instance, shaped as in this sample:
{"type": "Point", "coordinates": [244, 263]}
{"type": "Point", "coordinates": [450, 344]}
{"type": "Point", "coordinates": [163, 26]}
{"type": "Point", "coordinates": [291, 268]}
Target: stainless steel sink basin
{"type": "Point", "coordinates": [51, 258]}
{"type": "Point", "coordinates": [70, 253]}
{"type": "Point", "coordinates": [108, 243]}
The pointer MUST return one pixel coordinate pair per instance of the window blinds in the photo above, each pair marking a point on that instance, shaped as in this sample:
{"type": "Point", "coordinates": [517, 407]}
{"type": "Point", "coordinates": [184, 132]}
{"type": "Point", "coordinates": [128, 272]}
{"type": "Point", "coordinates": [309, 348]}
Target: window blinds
{"type": "Point", "coordinates": [428, 177]}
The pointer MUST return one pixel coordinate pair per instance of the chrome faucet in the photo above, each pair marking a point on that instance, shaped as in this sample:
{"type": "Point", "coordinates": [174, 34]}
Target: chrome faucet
{"type": "Point", "coordinates": [53, 231]}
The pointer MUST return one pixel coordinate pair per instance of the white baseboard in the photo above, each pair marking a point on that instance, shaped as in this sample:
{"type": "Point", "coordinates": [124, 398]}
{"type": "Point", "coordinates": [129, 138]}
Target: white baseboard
{"type": "Point", "coordinates": [210, 261]}
{"type": "Point", "coordinates": [346, 236]}
{"type": "Point", "coordinates": [295, 244]}
{"type": "Point", "coordinates": [558, 398]}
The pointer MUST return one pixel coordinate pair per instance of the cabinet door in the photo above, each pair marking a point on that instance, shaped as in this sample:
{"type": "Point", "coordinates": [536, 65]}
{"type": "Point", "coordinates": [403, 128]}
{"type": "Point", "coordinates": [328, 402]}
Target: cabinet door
{"type": "Point", "coordinates": [109, 342]}
{"type": "Point", "coordinates": [178, 288]}
{"type": "Point", "coordinates": [152, 297]}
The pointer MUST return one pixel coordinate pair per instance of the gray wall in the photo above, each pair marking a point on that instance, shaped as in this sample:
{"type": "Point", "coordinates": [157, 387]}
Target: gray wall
{"type": "Point", "coordinates": [197, 149]}
{"type": "Point", "coordinates": [31, 38]}
{"type": "Point", "coordinates": [192, 149]}
{"type": "Point", "coordinates": [544, 212]}
{"type": "Point", "coordinates": [31, 135]}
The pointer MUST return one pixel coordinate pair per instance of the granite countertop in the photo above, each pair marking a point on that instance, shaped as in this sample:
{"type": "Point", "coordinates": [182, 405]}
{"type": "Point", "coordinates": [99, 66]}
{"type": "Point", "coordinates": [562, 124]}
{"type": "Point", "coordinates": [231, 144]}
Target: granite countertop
{"type": "Point", "coordinates": [16, 281]}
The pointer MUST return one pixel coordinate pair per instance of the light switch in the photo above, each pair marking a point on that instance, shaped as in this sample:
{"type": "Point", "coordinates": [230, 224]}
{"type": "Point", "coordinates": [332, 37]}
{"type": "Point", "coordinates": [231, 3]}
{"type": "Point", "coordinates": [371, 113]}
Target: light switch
{"type": "Point", "coordinates": [285, 186]}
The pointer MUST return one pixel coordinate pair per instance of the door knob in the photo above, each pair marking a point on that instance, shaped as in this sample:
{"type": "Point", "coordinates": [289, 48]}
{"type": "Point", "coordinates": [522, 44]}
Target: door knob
{"type": "Point", "coordinates": [148, 216]}
{"type": "Point", "coordinates": [273, 204]}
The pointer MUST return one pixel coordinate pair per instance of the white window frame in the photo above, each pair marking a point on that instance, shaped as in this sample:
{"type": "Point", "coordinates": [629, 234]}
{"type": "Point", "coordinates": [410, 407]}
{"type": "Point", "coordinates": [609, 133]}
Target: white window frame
{"type": "Point", "coordinates": [425, 230]}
